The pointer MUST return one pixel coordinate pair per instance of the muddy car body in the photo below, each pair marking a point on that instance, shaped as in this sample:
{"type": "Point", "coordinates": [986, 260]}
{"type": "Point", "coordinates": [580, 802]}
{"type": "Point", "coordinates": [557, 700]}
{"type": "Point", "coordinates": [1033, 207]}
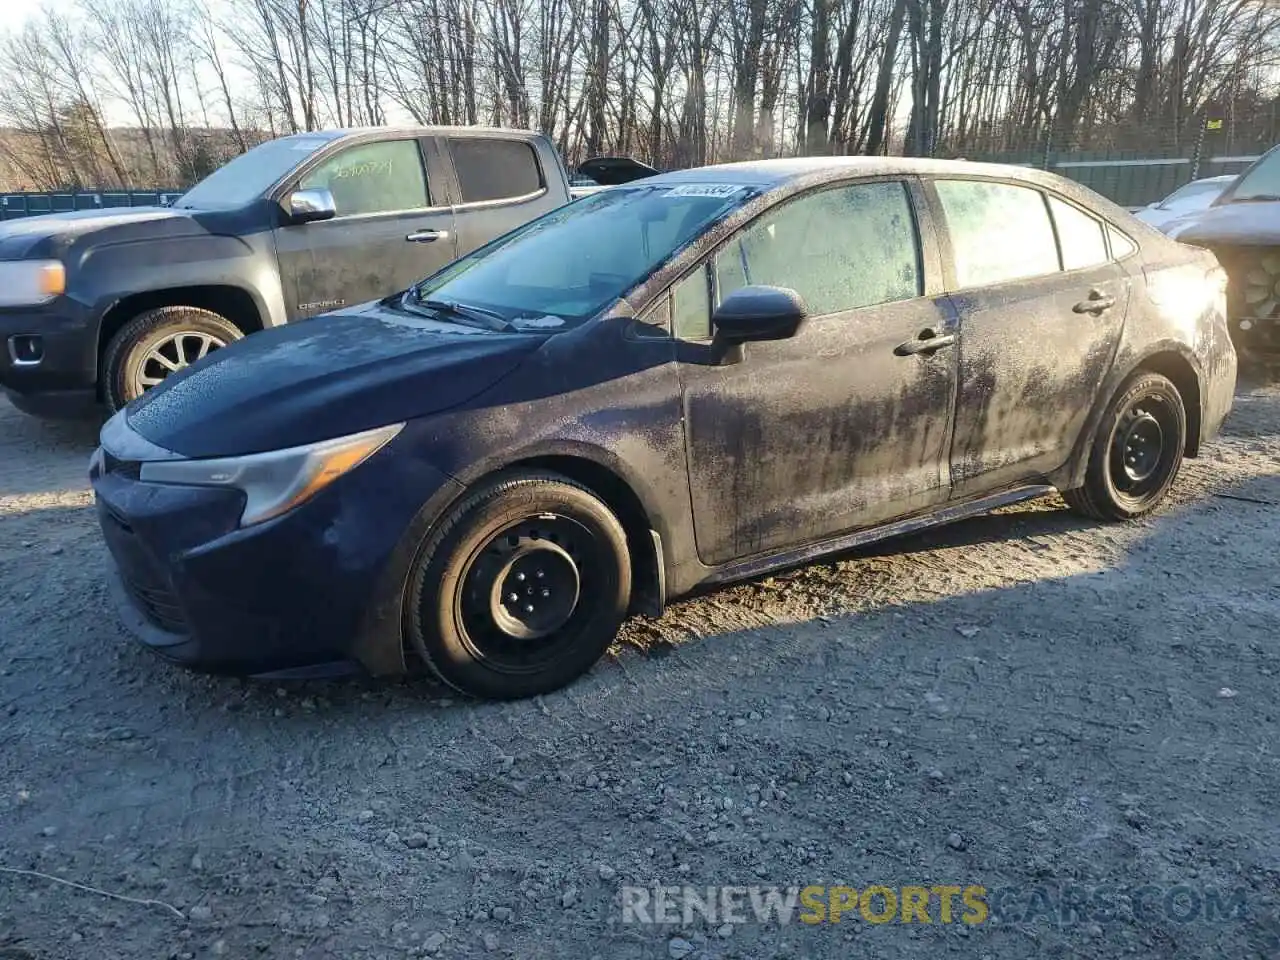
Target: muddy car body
{"type": "Point", "coordinates": [767, 362]}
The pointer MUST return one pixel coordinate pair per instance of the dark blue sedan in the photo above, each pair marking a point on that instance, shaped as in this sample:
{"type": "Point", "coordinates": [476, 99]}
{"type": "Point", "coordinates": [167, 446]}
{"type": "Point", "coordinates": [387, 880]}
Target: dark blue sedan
{"type": "Point", "coordinates": [664, 385]}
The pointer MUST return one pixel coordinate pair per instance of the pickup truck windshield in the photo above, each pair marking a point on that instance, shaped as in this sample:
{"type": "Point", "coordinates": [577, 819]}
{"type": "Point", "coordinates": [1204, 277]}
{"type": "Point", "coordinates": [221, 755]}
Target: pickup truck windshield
{"type": "Point", "coordinates": [1260, 183]}
{"type": "Point", "coordinates": [569, 265]}
{"type": "Point", "coordinates": [250, 175]}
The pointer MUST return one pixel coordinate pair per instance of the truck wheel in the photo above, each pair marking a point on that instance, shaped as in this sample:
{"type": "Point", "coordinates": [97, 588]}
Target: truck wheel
{"type": "Point", "coordinates": [157, 343]}
{"type": "Point", "coordinates": [520, 589]}
{"type": "Point", "coordinates": [1136, 452]}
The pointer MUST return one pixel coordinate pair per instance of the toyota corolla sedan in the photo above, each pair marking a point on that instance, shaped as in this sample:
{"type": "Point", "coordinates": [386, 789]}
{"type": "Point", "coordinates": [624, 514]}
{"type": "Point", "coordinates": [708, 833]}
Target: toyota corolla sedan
{"type": "Point", "coordinates": [670, 384]}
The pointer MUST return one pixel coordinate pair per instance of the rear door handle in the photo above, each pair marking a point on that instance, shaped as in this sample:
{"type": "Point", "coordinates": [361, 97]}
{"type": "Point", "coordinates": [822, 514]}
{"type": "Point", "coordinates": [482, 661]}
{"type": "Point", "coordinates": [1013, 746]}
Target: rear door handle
{"type": "Point", "coordinates": [427, 236]}
{"type": "Point", "coordinates": [1097, 303]}
{"type": "Point", "coordinates": [927, 342]}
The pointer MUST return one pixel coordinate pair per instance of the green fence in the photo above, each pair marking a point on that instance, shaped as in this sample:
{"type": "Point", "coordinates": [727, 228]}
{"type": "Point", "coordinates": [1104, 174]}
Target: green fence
{"type": "Point", "coordinates": [15, 205]}
{"type": "Point", "coordinates": [1131, 178]}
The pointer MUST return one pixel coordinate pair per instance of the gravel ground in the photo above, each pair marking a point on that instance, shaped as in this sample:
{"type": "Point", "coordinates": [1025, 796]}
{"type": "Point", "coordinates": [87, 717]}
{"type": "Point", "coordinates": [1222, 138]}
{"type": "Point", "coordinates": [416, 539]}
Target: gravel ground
{"type": "Point", "coordinates": [1021, 700]}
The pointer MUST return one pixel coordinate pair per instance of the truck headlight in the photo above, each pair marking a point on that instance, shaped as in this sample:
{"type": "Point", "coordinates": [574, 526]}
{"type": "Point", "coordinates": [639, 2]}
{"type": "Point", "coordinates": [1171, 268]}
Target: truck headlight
{"type": "Point", "coordinates": [279, 480]}
{"type": "Point", "coordinates": [29, 283]}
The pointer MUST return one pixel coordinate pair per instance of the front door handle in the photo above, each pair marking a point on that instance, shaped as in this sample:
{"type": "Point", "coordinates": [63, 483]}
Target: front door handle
{"type": "Point", "coordinates": [1097, 304]}
{"type": "Point", "coordinates": [927, 342]}
{"type": "Point", "coordinates": [427, 236]}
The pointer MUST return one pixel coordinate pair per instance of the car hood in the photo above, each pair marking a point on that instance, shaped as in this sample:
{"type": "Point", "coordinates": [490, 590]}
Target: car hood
{"type": "Point", "coordinates": [1230, 223]}
{"type": "Point", "coordinates": [327, 377]}
{"type": "Point", "coordinates": [69, 234]}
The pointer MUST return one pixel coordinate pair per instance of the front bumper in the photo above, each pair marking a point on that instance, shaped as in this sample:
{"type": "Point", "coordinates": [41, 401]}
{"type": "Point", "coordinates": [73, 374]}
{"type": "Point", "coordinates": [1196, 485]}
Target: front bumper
{"type": "Point", "coordinates": [313, 592]}
{"type": "Point", "coordinates": [48, 358]}
{"type": "Point", "coordinates": [1253, 297]}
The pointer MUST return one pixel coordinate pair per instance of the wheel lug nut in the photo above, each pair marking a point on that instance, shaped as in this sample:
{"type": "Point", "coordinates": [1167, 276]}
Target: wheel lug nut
{"type": "Point", "coordinates": [546, 593]}
{"type": "Point", "coordinates": [513, 597]}
{"type": "Point", "coordinates": [520, 576]}
{"type": "Point", "coordinates": [539, 574]}
{"type": "Point", "coordinates": [528, 608]}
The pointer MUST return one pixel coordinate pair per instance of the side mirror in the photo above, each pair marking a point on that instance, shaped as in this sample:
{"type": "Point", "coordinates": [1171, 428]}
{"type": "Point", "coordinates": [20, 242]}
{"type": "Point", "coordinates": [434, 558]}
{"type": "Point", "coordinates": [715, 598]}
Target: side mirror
{"type": "Point", "coordinates": [759, 313]}
{"type": "Point", "coordinates": [312, 204]}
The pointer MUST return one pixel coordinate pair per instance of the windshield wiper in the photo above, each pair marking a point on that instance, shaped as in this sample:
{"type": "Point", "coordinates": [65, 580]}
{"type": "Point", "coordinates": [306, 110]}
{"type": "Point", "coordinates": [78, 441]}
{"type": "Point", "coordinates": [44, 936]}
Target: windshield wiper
{"type": "Point", "coordinates": [489, 319]}
{"type": "Point", "coordinates": [1257, 198]}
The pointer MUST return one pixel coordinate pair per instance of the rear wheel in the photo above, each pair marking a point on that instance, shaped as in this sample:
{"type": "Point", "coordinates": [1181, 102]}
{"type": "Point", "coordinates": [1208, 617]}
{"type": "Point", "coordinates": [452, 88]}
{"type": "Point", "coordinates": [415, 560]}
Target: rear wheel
{"type": "Point", "coordinates": [521, 589]}
{"type": "Point", "coordinates": [157, 343]}
{"type": "Point", "coordinates": [1136, 453]}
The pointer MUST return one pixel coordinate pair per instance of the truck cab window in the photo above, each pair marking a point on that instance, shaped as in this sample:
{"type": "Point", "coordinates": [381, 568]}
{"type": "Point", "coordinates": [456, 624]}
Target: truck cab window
{"type": "Point", "coordinates": [373, 178]}
{"type": "Point", "coordinates": [492, 169]}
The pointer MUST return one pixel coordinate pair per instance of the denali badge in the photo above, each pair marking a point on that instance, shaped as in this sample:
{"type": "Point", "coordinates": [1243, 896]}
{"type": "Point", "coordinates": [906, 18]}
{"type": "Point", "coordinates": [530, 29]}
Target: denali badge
{"type": "Point", "coordinates": [322, 305]}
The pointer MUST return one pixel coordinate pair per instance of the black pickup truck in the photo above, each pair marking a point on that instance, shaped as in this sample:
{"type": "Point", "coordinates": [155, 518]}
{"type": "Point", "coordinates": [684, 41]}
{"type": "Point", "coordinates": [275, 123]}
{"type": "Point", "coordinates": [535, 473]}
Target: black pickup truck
{"type": "Point", "coordinates": [98, 306]}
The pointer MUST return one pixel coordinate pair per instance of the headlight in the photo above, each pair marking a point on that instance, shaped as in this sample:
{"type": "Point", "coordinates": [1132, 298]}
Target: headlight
{"type": "Point", "coordinates": [29, 283]}
{"type": "Point", "coordinates": [279, 480]}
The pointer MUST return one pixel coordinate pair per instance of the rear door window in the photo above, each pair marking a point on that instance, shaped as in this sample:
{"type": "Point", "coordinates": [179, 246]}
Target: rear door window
{"type": "Point", "coordinates": [999, 232]}
{"type": "Point", "coordinates": [840, 249]}
{"type": "Point", "coordinates": [1121, 245]}
{"type": "Point", "coordinates": [373, 178]}
{"type": "Point", "coordinates": [493, 169]}
{"type": "Point", "coordinates": [1082, 238]}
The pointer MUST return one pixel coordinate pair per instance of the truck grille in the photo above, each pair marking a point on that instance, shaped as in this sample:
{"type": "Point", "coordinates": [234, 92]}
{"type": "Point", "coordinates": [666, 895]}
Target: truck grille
{"type": "Point", "coordinates": [1253, 294]}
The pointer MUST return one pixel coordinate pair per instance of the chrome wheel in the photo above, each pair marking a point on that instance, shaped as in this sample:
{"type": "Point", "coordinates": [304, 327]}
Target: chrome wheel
{"type": "Point", "coordinates": [171, 354]}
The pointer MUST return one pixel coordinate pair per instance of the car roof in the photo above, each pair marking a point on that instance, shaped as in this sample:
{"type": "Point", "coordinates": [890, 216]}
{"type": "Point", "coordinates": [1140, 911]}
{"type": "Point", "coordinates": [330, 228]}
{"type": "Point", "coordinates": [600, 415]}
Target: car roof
{"type": "Point", "coordinates": [780, 171]}
{"type": "Point", "coordinates": [421, 131]}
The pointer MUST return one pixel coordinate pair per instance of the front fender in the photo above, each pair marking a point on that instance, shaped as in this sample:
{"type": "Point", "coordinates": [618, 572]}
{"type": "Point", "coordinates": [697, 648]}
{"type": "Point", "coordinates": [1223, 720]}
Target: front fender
{"type": "Point", "coordinates": [108, 274]}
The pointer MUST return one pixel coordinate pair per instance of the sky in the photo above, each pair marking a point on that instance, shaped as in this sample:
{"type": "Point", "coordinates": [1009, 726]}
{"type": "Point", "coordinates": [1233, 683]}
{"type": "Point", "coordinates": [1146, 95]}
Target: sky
{"type": "Point", "coordinates": [14, 15]}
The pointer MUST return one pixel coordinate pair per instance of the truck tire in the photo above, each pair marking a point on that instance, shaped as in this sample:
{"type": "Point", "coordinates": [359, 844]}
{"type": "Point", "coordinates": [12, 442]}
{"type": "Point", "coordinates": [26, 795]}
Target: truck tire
{"type": "Point", "coordinates": [157, 343]}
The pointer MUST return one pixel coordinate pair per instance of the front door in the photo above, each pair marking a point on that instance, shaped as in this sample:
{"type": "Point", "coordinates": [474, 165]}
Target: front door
{"type": "Point", "coordinates": [839, 427]}
{"type": "Point", "coordinates": [387, 235]}
{"type": "Point", "coordinates": [1041, 307]}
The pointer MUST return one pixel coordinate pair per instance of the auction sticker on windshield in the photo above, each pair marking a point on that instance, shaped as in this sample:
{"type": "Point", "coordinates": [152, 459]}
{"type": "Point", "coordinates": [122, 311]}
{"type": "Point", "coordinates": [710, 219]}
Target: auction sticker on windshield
{"type": "Point", "coordinates": [706, 190]}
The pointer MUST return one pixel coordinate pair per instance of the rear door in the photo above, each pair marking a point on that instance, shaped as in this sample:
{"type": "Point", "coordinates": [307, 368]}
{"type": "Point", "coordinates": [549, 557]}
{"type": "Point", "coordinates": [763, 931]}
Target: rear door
{"type": "Point", "coordinates": [394, 226]}
{"type": "Point", "coordinates": [1041, 307]}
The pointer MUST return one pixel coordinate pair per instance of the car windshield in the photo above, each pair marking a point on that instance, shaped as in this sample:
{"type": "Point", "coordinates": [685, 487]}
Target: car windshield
{"type": "Point", "coordinates": [1201, 190]}
{"type": "Point", "coordinates": [572, 263]}
{"type": "Point", "coordinates": [1260, 183]}
{"type": "Point", "coordinates": [251, 174]}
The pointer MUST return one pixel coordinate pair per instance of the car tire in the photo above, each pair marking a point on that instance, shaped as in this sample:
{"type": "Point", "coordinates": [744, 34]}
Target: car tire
{"type": "Point", "coordinates": [521, 588]}
{"type": "Point", "coordinates": [1136, 453]}
{"type": "Point", "coordinates": [148, 345]}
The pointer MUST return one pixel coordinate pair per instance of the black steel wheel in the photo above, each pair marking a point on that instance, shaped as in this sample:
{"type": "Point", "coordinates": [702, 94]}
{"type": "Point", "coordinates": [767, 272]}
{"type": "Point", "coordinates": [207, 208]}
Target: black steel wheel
{"type": "Point", "coordinates": [1136, 453]}
{"type": "Point", "coordinates": [521, 589]}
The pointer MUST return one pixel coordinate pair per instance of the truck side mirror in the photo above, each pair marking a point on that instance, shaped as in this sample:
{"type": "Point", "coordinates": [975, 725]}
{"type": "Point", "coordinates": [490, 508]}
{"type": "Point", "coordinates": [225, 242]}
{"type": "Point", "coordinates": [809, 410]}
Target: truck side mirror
{"type": "Point", "coordinates": [311, 204]}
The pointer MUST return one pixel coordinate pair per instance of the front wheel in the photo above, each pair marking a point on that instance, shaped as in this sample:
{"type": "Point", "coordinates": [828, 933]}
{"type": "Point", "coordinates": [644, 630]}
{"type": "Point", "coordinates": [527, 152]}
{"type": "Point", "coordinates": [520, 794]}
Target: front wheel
{"type": "Point", "coordinates": [1136, 453]}
{"type": "Point", "coordinates": [157, 343]}
{"type": "Point", "coordinates": [521, 589]}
